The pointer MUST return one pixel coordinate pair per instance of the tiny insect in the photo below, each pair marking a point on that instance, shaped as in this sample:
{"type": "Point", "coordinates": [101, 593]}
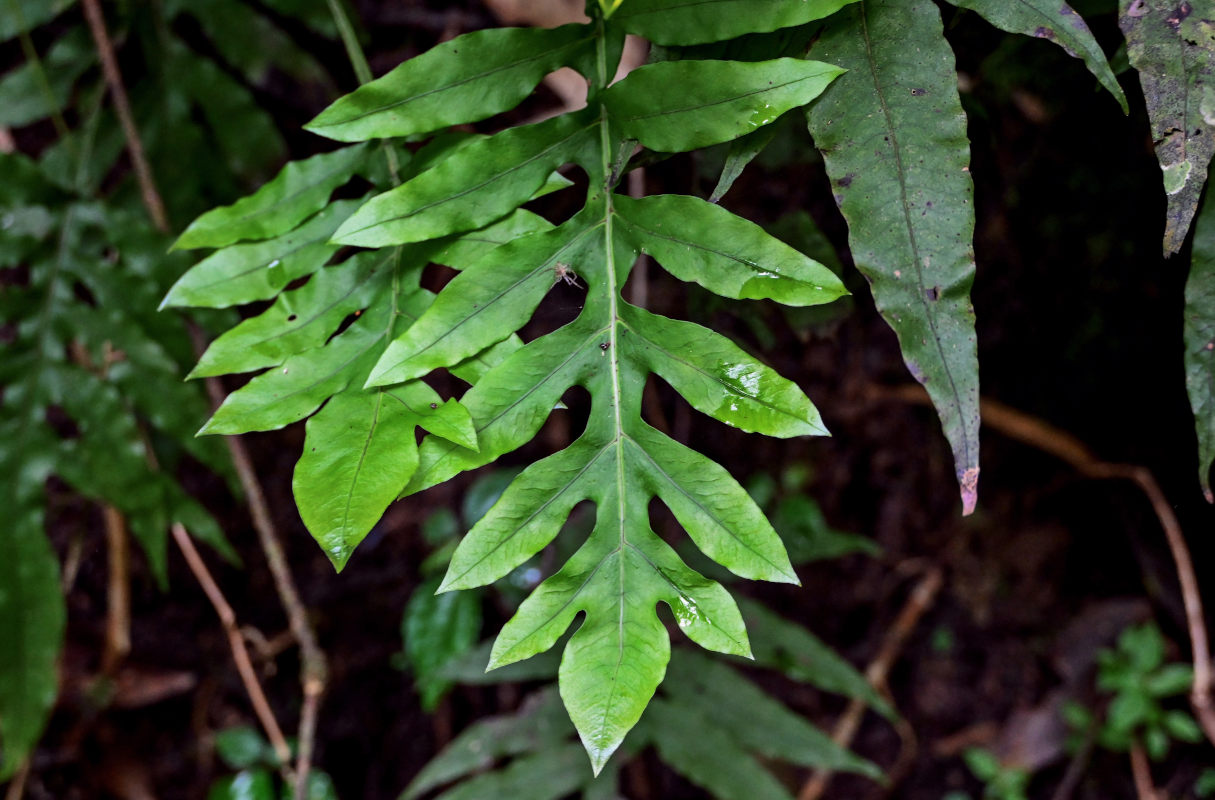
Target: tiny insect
{"type": "Point", "coordinates": [564, 273]}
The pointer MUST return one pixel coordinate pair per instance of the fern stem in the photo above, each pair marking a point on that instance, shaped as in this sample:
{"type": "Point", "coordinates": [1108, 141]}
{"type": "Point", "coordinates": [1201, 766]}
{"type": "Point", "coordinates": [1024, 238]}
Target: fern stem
{"type": "Point", "coordinates": [44, 84]}
{"type": "Point", "coordinates": [362, 71]}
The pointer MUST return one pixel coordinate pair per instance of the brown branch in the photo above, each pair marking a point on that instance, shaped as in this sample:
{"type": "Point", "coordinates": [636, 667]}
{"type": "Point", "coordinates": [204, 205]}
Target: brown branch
{"type": "Point", "coordinates": [1141, 772]}
{"type": "Point", "coordinates": [920, 600]}
{"type": "Point", "coordinates": [122, 107]}
{"type": "Point", "coordinates": [118, 592]}
{"type": "Point", "coordinates": [1063, 445]}
{"type": "Point", "coordinates": [313, 668]}
{"type": "Point", "coordinates": [244, 665]}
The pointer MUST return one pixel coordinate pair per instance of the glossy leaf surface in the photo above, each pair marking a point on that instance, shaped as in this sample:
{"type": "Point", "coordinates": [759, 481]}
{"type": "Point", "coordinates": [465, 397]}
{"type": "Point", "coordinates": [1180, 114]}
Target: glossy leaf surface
{"type": "Point", "coordinates": [718, 100]}
{"type": "Point", "coordinates": [1171, 46]}
{"type": "Point", "coordinates": [469, 78]}
{"type": "Point", "coordinates": [893, 137]}
{"type": "Point", "coordinates": [473, 187]}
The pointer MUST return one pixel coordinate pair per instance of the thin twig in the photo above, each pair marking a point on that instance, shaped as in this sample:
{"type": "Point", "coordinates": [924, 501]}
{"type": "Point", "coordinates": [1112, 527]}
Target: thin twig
{"type": "Point", "coordinates": [1063, 445]}
{"type": "Point", "coordinates": [244, 665]}
{"type": "Point", "coordinates": [1141, 771]}
{"type": "Point", "coordinates": [118, 593]}
{"type": "Point", "coordinates": [313, 668]}
{"type": "Point", "coordinates": [919, 601]}
{"type": "Point", "coordinates": [122, 107]}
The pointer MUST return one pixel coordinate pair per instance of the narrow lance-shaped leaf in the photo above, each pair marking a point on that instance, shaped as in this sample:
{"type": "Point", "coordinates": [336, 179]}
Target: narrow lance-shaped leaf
{"type": "Point", "coordinates": [300, 190]}
{"type": "Point", "coordinates": [503, 289]}
{"type": "Point", "coordinates": [467, 79]}
{"type": "Point", "coordinates": [1200, 341]}
{"type": "Point", "coordinates": [476, 185]}
{"type": "Point", "coordinates": [893, 136]}
{"type": "Point", "coordinates": [741, 153]}
{"type": "Point", "coordinates": [1054, 21]}
{"type": "Point", "coordinates": [1172, 45]}
{"type": "Point", "coordinates": [700, 242]}
{"type": "Point", "coordinates": [301, 319]}
{"type": "Point", "coordinates": [687, 22]}
{"type": "Point", "coordinates": [707, 755]}
{"type": "Point", "coordinates": [259, 270]}
{"type": "Point", "coordinates": [717, 100]}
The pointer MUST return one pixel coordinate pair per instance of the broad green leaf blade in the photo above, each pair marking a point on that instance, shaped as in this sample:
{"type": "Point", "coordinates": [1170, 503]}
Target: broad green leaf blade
{"type": "Point", "coordinates": [1172, 48]}
{"type": "Point", "coordinates": [32, 618]}
{"type": "Point", "coordinates": [893, 136]}
{"type": "Point", "coordinates": [292, 391]}
{"type": "Point", "coordinates": [301, 319]}
{"type": "Point", "coordinates": [477, 185]}
{"type": "Point", "coordinates": [249, 784]}
{"type": "Point", "coordinates": [718, 378]}
{"type": "Point", "coordinates": [708, 755]}
{"type": "Point", "coordinates": [467, 79]}
{"type": "Point", "coordinates": [436, 629]}
{"type": "Point", "coordinates": [541, 724]}
{"type": "Point", "coordinates": [717, 100]}
{"type": "Point", "coordinates": [359, 452]}
{"type": "Point", "coordinates": [1054, 21]}
{"type": "Point", "coordinates": [716, 512]}
{"type": "Point", "coordinates": [471, 247]}
{"type": "Point", "coordinates": [802, 656]}
{"type": "Point", "coordinates": [527, 516]}
{"type": "Point", "coordinates": [300, 190]}
{"type": "Point", "coordinates": [510, 403]}
{"type": "Point", "coordinates": [243, 273]}
{"type": "Point", "coordinates": [755, 719]}
{"type": "Point", "coordinates": [497, 294]}
{"type": "Point", "coordinates": [703, 243]}
{"type": "Point", "coordinates": [448, 420]}
{"type": "Point", "coordinates": [614, 663]}
{"type": "Point", "coordinates": [687, 22]}
{"type": "Point", "coordinates": [1200, 341]}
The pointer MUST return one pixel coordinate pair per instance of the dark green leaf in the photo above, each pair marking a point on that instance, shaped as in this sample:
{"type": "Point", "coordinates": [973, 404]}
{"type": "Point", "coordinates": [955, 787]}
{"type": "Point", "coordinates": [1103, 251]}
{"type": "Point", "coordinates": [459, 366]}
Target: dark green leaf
{"type": "Point", "coordinates": [437, 629]}
{"type": "Point", "coordinates": [893, 137]}
{"type": "Point", "coordinates": [25, 15]}
{"type": "Point", "coordinates": [32, 617]}
{"type": "Point", "coordinates": [1056, 22]}
{"type": "Point", "coordinates": [540, 724]}
{"type": "Point", "coordinates": [1173, 49]}
{"type": "Point", "coordinates": [1199, 319]}
{"type": "Point", "coordinates": [242, 747]}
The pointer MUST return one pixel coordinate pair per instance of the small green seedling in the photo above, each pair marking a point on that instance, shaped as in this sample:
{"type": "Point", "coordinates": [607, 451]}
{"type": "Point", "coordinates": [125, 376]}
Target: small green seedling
{"type": "Point", "coordinates": [245, 750]}
{"type": "Point", "coordinates": [1135, 674]}
{"type": "Point", "coordinates": [1002, 781]}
